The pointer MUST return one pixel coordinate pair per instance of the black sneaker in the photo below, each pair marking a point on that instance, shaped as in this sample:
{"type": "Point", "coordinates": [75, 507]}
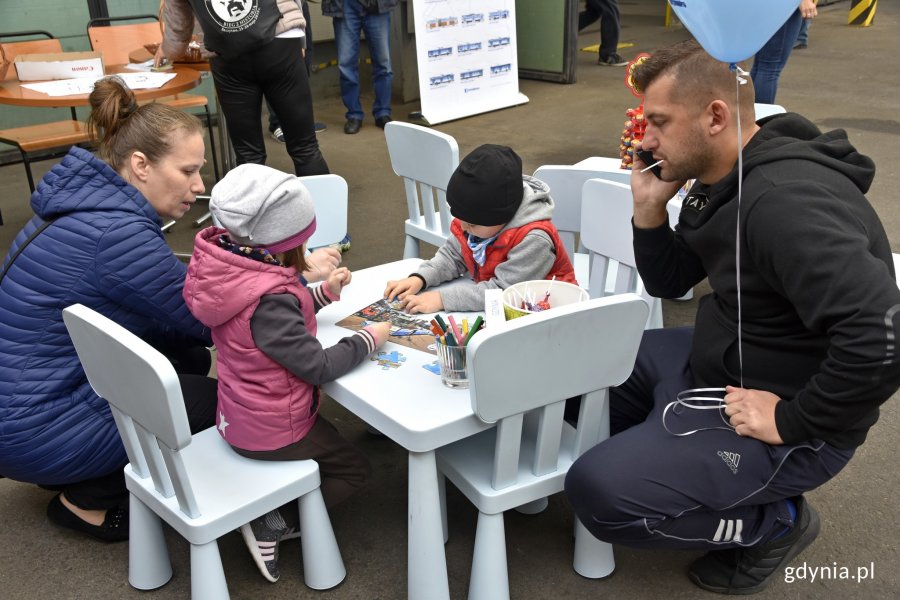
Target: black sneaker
{"type": "Point", "coordinates": [739, 571]}
{"type": "Point", "coordinates": [262, 536]}
{"type": "Point", "coordinates": [278, 135]}
{"type": "Point", "coordinates": [613, 60]}
{"type": "Point", "coordinates": [343, 245]}
{"type": "Point", "coordinates": [113, 529]}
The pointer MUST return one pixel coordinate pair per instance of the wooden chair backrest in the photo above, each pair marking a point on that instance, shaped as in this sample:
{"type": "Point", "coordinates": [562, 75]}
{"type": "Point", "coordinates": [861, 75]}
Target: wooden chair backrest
{"type": "Point", "coordinates": [115, 42]}
{"type": "Point", "coordinates": [13, 49]}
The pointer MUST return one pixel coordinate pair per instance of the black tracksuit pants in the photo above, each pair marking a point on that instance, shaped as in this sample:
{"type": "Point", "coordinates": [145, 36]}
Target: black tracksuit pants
{"type": "Point", "coordinates": [646, 487]}
{"type": "Point", "coordinates": [276, 71]}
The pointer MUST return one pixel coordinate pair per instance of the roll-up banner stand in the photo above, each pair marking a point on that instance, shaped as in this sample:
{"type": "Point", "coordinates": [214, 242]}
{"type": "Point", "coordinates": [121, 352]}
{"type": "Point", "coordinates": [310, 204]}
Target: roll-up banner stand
{"type": "Point", "coordinates": [466, 51]}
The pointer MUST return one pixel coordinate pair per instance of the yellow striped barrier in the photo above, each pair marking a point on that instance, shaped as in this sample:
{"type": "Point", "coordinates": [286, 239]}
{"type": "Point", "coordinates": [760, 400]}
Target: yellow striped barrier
{"type": "Point", "coordinates": [862, 12]}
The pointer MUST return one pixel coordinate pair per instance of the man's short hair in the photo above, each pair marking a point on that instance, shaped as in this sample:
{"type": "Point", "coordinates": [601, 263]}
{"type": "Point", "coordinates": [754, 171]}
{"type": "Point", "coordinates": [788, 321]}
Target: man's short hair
{"type": "Point", "coordinates": [698, 77]}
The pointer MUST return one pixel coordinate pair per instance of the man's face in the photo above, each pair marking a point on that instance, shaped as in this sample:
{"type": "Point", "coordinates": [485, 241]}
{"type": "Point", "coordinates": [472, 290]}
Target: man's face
{"type": "Point", "coordinates": [675, 133]}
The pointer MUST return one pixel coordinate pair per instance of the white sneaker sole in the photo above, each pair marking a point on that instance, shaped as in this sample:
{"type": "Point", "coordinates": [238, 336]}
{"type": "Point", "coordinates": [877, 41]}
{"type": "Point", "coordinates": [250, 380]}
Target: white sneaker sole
{"type": "Point", "coordinates": [254, 547]}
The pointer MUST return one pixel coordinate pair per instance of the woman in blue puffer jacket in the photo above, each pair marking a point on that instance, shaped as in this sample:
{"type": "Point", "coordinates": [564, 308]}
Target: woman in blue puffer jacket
{"type": "Point", "coordinates": [103, 248]}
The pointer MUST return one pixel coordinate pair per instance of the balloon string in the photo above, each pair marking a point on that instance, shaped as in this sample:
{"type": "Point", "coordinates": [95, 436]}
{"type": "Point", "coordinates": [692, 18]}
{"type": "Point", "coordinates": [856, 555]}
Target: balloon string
{"type": "Point", "coordinates": [739, 81]}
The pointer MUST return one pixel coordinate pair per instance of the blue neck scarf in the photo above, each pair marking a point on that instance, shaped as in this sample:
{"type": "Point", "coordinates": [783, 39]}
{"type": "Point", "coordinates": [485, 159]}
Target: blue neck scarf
{"type": "Point", "coordinates": [478, 246]}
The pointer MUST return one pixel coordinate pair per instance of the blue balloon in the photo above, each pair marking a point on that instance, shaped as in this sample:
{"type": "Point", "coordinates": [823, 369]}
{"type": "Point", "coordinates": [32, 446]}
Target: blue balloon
{"type": "Point", "coordinates": [733, 30]}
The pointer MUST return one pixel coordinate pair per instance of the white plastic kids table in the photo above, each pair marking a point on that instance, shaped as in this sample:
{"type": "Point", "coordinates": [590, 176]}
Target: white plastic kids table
{"type": "Point", "coordinates": [410, 405]}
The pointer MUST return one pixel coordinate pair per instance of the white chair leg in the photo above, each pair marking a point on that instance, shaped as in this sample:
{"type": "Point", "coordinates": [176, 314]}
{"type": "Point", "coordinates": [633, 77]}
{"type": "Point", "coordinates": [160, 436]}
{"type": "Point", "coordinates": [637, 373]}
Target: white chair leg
{"type": "Point", "coordinates": [323, 567]}
{"type": "Point", "coordinates": [442, 494]}
{"type": "Point", "coordinates": [411, 247]}
{"type": "Point", "coordinates": [534, 507]}
{"type": "Point", "coordinates": [593, 559]}
{"type": "Point", "coordinates": [149, 566]}
{"type": "Point", "coordinates": [489, 579]}
{"type": "Point", "coordinates": [207, 575]}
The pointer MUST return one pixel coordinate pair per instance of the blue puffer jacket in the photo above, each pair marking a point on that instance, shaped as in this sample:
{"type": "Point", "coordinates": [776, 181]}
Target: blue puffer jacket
{"type": "Point", "coordinates": [106, 251]}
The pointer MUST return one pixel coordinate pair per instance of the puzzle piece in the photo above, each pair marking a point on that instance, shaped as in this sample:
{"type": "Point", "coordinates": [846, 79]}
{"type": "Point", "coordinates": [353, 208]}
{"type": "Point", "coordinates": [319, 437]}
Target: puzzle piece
{"type": "Point", "coordinates": [389, 360]}
{"type": "Point", "coordinates": [434, 367]}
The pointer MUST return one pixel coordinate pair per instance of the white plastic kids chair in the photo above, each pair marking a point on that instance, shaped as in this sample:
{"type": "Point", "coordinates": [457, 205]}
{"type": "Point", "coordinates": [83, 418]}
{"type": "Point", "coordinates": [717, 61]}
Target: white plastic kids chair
{"type": "Point", "coordinates": [763, 110]}
{"type": "Point", "coordinates": [606, 232]}
{"type": "Point", "coordinates": [566, 182]}
{"type": "Point", "coordinates": [520, 376]}
{"type": "Point", "coordinates": [198, 485]}
{"type": "Point", "coordinates": [329, 194]}
{"type": "Point", "coordinates": [425, 159]}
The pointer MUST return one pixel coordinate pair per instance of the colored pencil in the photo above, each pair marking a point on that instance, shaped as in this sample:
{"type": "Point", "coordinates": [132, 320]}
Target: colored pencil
{"type": "Point", "coordinates": [475, 327]}
{"type": "Point", "coordinates": [455, 327]}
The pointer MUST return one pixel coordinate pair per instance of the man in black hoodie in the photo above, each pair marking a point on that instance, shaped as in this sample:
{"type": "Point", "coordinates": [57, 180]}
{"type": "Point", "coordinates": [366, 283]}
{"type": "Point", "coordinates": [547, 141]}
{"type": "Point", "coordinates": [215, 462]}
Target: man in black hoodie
{"type": "Point", "coordinates": [802, 337]}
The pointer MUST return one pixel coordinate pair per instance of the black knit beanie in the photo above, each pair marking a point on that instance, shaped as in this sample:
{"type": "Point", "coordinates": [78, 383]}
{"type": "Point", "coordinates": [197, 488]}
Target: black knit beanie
{"type": "Point", "coordinates": [486, 187]}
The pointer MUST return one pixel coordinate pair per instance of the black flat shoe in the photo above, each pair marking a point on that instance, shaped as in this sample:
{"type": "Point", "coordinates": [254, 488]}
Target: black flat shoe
{"type": "Point", "coordinates": [382, 121]}
{"type": "Point", "coordinates": [113, 529]}
{"type": "Point", "coordinates": [352, 126]}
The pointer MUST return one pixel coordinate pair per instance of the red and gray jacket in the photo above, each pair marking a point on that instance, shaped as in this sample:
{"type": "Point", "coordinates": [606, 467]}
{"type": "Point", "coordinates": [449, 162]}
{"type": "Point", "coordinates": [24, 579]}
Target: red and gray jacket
{"type": "Point", "coordinates": [527, 248]}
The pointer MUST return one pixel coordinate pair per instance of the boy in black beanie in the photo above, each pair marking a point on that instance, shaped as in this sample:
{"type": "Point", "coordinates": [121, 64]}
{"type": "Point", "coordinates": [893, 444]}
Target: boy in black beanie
{"type": "Point", "coordinates": [501, 235]}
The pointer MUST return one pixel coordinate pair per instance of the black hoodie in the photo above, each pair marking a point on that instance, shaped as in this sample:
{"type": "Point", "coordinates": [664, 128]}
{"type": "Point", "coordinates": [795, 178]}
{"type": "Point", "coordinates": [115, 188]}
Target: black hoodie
{"type": "Point", "coordinates": [819, 302]}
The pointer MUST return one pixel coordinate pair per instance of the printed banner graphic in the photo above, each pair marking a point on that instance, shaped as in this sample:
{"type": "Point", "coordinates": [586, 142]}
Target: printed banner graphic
{"type": "Point", "coordinates": [466, 51]}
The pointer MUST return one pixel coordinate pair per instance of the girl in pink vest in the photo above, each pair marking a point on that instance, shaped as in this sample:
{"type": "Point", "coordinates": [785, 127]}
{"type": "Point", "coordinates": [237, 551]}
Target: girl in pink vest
{"type": "Point", "coordinates": [245, 282]}
{"type": "Point", "coordinates": [501, 235]}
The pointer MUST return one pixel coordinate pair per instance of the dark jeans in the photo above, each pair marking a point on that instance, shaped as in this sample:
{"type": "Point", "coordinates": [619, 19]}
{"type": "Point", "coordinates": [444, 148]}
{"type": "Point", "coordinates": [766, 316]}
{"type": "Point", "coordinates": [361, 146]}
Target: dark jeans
{"type": "Point", "coordinates": [646, 487]}
{"type": "Point", "coordinates": [343, 468]}
{"type": "Point", "coordinates": [200, 398]}
{"type": "Point", "coordinates": [608, 13]}
{"type": "Point", "coordinates": [771, 59]}
{"type": "Point", "coordinates": [276, 71]}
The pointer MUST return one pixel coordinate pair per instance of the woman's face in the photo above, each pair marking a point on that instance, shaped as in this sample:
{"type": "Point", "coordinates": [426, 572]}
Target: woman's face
{"type": "Point", "coordinates": [172, 183]}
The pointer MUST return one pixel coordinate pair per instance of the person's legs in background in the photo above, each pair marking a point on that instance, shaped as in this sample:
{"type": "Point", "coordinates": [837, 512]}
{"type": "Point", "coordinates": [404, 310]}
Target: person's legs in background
{"type": "Point", "coordinates": [590, 14]}
{"type": "Point", "coordinates": [378, 36]}
{"type": "Point", "coordinates": [240, 99]}
{"type": "Point", "coordinates": [274, 125]}
{"type": "Point", "coordinates": [803, 36]}
{"type": "Point", "coordinates": [607, 11]}
{"type": "Point", "coordinates": [771, 59]}
{"type": "Point", "coordinates": [609, 33]}
{"type": "Point", "coordinates": [346, 36]}
{"type": "Point", "coordinates": [286, 85]}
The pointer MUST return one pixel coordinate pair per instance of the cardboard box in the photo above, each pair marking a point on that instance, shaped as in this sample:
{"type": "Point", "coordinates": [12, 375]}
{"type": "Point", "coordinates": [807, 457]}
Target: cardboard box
{"type": "Point", "coordinates": [61, 65]}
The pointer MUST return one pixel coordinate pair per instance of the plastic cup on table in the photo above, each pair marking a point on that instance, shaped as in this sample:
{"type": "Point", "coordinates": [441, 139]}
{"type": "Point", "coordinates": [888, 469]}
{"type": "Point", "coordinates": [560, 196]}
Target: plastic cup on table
{"type": "Point", "coordinates": [561, 293]}
{"type": "Point", "coordinates": [452, 360]}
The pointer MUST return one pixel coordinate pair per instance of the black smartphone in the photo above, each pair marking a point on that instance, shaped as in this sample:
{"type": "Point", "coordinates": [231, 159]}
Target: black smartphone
{"type": "Point", "coordinates": [647, 157]}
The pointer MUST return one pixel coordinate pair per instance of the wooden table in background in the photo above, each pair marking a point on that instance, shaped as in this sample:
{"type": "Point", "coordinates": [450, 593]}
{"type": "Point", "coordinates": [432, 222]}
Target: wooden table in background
{"type": "Point", "coordinates": [12, 92]}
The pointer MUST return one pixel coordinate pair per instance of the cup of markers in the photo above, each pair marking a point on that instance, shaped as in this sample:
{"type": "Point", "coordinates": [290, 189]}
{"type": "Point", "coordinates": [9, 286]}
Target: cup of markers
{"type": "Point", "coordinates": [451, 339]}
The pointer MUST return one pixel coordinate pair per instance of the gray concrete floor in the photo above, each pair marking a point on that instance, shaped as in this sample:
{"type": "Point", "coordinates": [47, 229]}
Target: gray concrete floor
{"type": "Point", "coordinates": [847, 78]}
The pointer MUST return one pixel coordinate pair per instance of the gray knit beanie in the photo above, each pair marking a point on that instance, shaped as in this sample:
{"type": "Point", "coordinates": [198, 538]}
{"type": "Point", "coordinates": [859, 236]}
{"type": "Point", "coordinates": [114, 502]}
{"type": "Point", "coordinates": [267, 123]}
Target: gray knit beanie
{"type": "Point", "coordinates": [261, 206]}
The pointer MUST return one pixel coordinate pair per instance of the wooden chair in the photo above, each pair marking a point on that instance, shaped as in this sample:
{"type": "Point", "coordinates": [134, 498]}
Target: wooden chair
{"type": "Point", "coordinates": [520, 376]}
{"type": "Point", "coordinates": [197, 484]}
{"type": "Point", "coordinates": [57, 135]}
{"type": "Point", "coordinates": [115, 42]}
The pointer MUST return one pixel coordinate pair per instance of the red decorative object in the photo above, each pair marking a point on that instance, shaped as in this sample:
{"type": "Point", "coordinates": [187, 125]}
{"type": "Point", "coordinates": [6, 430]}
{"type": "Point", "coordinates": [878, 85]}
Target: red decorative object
{"type": "Point", "coordinates": [635, 125]}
